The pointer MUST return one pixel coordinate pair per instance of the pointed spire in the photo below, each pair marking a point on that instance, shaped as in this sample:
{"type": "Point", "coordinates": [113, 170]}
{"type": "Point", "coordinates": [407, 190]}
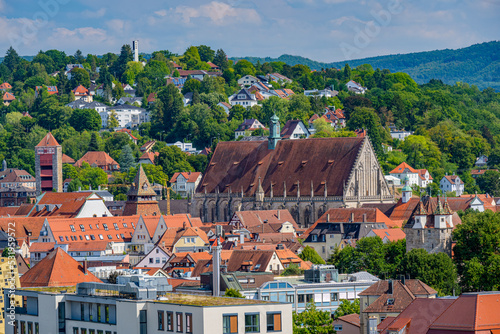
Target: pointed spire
{"type": "Point", "coordinates": [271, 191]}
{"type": "Point", "coordinates": [439, 208]}
{"type": "Point", "coordinates": [312, 189]}
{"type": "Point", "coordinates": [446, 207]}
{"type": "Point", "coordinates": [420, 211]}
{"type": "Point", "coordinates": [326, 190]}
{"type": "Point", "coordinates": [284, 189]}
{"type": "Point", "coordinates": [298, 189]}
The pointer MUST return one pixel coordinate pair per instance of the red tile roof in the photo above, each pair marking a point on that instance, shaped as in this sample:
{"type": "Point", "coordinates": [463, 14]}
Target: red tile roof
{"type": "Point", "coordinates": [419, 311]}
{"type": "Point", "coordinates": [402, 168]}
{"type": "Point", "coordinates": [129, 132]}
{"type": "Point", "coordinates": [392, 234]}
{"type": "Point", "coordinates": [470, 312]}
{"type": "Point", "coordinates": [5, 85]}
{"type": "Point", "coordinates": [353, 319]}
{"type": "Point", "coordinates": [67, 159]}
{"type": "Point", "coordinates": [149, 156]}
{"type": "Point", "coordinates": [8, 97]}
{"type": "Point", "coordinates": [57, 269]}
{"type": "Point", "coordinates": [191, 177]}
{"type": "Point", "coordinates": [97, 158]}
{"type": "Point", "coordinates": [65, 205]}
{"type": "Point", "coordinates": [80, 91]}
{"type": "Point", "coordinates": [48, 140]}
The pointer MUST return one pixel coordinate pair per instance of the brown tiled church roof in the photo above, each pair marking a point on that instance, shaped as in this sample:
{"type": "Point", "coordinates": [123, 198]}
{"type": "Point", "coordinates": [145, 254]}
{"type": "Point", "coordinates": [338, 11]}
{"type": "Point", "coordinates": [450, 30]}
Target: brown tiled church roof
{"type": "Point", "coordinates": [324, 162]}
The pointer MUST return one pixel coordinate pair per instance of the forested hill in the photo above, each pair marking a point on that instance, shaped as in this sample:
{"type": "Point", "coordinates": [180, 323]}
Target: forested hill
{"type": "Point", "coordinates": [478, 64]}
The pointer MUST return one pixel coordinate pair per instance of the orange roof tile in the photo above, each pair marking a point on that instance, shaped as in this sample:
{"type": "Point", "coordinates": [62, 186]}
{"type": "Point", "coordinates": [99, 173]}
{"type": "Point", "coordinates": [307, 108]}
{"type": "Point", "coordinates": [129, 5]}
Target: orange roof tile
{"type": "Point", "coordinates": [392, 234]}
{"type": "Point", "coordinates": [189, 176]}
{"type": "Point", "coordinates": [98, 158]}
{"type": "Point", "coordinates": [80, 91]}
{"type": "Point", "coordinates": [8, 96]}
{"type": "Point", "coordinates": [402, 167]}
{"type": "Point", "coordinates": [48, 140]}
{"type": "Point", "coordinates": [57, 269]}
{"type": "Point", "coordinates": [66, 205]}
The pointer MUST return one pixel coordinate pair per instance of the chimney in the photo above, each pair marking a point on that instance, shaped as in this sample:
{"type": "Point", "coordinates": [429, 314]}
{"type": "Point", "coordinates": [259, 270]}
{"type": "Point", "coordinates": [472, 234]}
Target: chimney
{"type": "Point", "coordinates": [327, 217]}
{"type": "Point", "coordinates": [84, 264]}
{"type": "Point", "coordinates": [242, 238]}
{"type": "Point", "coordinates": [279, 215]}
{"type": "Point", "coordinates": [390, 289]}
{"type": "Point", "coordinates": [364, 217]}
{"type": "Point", "coordinates": [352, 217]}
{"type": "Point", "coordinates": [402, 279]}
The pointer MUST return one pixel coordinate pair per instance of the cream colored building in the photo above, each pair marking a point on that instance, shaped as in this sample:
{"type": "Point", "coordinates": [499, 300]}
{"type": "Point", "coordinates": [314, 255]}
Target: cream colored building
{"type": "Point", "coordinates": [9, 279]}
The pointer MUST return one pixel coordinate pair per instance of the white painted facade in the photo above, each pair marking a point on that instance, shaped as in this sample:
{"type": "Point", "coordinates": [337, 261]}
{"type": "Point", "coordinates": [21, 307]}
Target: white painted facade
{"type": "Point", "coordinates": [449, 186]}
{"type": "Point", "coordinates": [127, 116]}
{"type": "Point", "coordinates": [156, 258]}
{"type": "Point", "coordinates": [94, 207]}
{"type": "Point", "coordinates": [247, 80]}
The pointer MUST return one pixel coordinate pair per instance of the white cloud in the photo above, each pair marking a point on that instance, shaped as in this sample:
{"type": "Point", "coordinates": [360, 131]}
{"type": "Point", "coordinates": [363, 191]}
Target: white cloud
{"type": "Point", "coordinates": [218, 12]}
{"type": "Point", "coordinates": [162, 12]}
{"type": "Point", "coordinates": [116, 25]}
{"type": "Point", "coordinates": [93, 14]}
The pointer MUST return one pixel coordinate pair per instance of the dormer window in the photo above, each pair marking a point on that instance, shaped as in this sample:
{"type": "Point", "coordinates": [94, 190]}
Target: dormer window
{"type": "Point", "coordinates": [242, 97]}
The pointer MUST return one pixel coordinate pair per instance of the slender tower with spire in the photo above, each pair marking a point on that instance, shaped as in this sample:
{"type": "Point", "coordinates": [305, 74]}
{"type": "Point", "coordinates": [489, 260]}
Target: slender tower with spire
{"type": "Point", "coordinates": [141, 197]}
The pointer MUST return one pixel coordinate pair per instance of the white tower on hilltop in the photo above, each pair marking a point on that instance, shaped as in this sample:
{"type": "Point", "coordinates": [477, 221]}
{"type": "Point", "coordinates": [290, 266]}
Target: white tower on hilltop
{"type": "Point", "coordinates": [135, 49]}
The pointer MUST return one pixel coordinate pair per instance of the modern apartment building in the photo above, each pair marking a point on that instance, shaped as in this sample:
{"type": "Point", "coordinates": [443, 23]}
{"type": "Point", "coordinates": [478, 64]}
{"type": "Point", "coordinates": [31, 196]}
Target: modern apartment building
{"type": "Point", "coordinates": [143, 308]}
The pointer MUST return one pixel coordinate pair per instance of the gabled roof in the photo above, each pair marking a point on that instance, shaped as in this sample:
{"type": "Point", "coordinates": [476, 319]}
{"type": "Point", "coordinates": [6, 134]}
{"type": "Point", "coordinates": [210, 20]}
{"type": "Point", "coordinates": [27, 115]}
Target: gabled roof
{"type": "Point", "coordinates": [48, 140]}
{"type": "Point", "coordinates": [190, 177]}
{"type": "Point", "coordinates": [149, 156]}
{"type": "Point", "coordinates": [256, 260]}
{"type": "Point", "coordinates": [129, 132]}
{"type": "Point", "coordinates": [5, 85]}
{"type": "Point", "coordinates": [248, 124]}
{"type": "Point", "coordinates": [255, 220]}
{"type": "Point", "coordinates": [57, 269]}
{"type": "Point", "coordinates": [420, 321]}
{"type": "Point", "coordinates": [290, 127]}
{"type": "Point", "coordinates": [392, 234]}
{"type": "Point", "coordinates": [8, 96]}
{"type": "Point", "coordinates": [470, 312]}
{"type": "Point", "coordinates": [67, 159]}
{"type": "Point", "coordinates": [353, 319]}
{"type": "Point", "coordinates": [192, 232]}
{"type": "Point", "coordinates": [98, 158]}
{"type": "Point", "coordinates": [355, 215]}
{"type": "Point", "coordinates": [322, 162]}
{"type": "Point", "coordinates": [403, 167]}
{"type": "Point", "coordinates": [15, 175]}
{"type": "Point", "coordinates": [80, 91]}
{"type": "Point", "coordinates": [453, 179]}
{"type": "Point", "coordinates": [66, 205]}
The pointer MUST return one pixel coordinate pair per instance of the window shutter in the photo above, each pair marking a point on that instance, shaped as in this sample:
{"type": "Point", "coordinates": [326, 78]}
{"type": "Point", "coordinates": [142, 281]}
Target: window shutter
{"type": "Point", "coordinates": [234, 324]}
{"type": "Point", "coordinates": [277, 321]}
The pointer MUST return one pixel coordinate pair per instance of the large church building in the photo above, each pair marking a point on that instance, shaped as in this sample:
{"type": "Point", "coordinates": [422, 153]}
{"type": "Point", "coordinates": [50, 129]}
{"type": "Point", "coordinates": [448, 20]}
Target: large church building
{"type": "Point", "coordinates": [305, 176]}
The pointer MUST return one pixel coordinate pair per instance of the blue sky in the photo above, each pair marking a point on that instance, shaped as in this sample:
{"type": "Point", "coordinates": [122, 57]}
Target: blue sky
{"type": "Point", "coordinates": [323, 30]}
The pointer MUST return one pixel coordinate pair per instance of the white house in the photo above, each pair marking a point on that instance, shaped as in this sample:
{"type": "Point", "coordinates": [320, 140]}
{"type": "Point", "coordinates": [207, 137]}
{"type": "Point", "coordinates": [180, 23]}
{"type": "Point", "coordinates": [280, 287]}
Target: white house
{"type": "Point", "coordinates": [399, 134]}
{"type": "Point", "coordinates": [226, 106]}
{"type": "Point", "coordinates": [184, 147]}
{"type": "Point", "coordinates": [482, 161]}
{"type": "Point", "coordinates": [127, 116]}
{"type": "Point", "coordinates": [355, 87]}
{"type": "Point", "coordinates": [419, 177]}
{"type": "Point", "coordinates": [294, 129]}
{"type": "Point", "coordinates": [156, 258]}
{"type": "Point", "coordinates": [185, 183]}
{"type": "Point", "coordinates": [248, 125]}
{"type": "Point", "coordinates": [243, 98]}
{"type": "Point", "coordinates": [451, 183]}
{"type": "Point", "coordinates": [320, 93]}
{"type": "Point", "coordinates": [247, 80]}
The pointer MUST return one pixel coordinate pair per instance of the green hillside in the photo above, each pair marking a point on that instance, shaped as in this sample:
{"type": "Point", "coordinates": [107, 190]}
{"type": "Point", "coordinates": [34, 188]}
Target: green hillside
{"type": "Point", "coordinates": [478, 64]}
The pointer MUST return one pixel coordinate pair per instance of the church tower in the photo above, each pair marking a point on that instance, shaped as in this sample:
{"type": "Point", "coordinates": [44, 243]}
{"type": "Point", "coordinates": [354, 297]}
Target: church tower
{"type": "Point", "coordinates": [141, 197]}
{"type": "Point", "coordinates": [274, 132]}
{"type": "Point", "coordinates": [48, 165]}
{"type": "Point", "coordinates": [407, 192]}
